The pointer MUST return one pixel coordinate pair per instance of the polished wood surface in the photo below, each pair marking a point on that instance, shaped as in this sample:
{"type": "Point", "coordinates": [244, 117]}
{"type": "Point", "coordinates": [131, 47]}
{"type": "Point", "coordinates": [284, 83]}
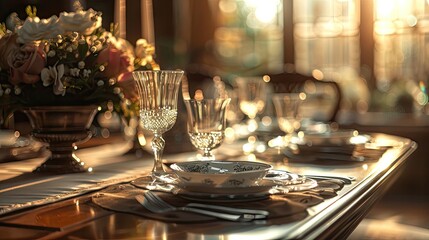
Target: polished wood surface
{"type": "Point", "coordinates": [79, 218]}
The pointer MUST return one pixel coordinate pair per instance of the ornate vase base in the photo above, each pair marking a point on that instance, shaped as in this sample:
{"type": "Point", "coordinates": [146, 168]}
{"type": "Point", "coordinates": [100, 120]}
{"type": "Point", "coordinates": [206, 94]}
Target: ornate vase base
{"type": "Point", "coordinates": [63, 164]}
{"type": "Point", "coordinates": [61, 127]}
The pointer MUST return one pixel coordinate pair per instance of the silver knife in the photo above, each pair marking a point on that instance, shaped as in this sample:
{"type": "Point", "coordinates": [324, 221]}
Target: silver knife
{"type": "Point", "coordinates": [259, 214]}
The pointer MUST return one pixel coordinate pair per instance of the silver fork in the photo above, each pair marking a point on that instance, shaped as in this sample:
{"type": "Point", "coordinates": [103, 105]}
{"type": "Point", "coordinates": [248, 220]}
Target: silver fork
{"type": "Point", "coordinates": [257, 212]}
{"type": "Point", "coordinates": [157, 205]}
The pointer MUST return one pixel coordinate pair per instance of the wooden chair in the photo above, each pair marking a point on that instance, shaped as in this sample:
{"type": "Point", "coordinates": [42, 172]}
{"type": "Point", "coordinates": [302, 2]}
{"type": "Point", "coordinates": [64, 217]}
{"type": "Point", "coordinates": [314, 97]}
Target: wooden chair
{"type": "Point", "coordinates": [323, 97]}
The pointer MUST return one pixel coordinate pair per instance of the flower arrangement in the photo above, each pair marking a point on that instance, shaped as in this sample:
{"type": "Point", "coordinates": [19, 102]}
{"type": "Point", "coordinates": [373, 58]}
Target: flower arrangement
{"type": "Point", "coordinates": [67, 60]}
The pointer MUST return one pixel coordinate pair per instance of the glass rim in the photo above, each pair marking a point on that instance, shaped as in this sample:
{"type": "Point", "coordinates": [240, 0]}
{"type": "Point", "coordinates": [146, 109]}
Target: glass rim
{"type": "Point", "coordinates": [205, 99]}
{"type": "Point", "coordinates": [171, 71]}
{"type": "Point", "coordinates": [280, 95]}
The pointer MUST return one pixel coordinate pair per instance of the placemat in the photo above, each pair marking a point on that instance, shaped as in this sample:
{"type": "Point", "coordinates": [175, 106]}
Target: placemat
{"type": "Point", "coordinates": [289, 207]}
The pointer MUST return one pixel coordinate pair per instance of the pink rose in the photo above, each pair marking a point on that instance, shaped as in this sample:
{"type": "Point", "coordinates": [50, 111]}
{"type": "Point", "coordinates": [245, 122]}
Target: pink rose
{"type": "Point", "coordinates": [128, 85]}
{"type": "Point", "coordinates": [8, 44]}
{"type": "Point", "coordinates": [115, 61]}
{"type": "Point", "coordinates": [26, 64]}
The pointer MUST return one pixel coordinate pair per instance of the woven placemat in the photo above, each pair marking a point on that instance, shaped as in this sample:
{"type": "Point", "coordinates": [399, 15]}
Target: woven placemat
{"type": "Point", "coordinates": [289, 207]}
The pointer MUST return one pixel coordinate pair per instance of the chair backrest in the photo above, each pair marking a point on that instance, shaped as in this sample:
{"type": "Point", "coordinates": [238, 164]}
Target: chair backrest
{"type": "Point", "coordinates": [323, 97]}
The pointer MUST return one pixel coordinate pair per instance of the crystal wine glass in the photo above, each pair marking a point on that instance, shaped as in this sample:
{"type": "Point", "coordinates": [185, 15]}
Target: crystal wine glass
{"type": "Point", "coordinates": [206, 123]}
{"type": "Point", "coordinates": [287, 112]}
{"type": "Point", "coordinates": [158, 91]}
{"type": "Point", "coordinates": [252, 92]}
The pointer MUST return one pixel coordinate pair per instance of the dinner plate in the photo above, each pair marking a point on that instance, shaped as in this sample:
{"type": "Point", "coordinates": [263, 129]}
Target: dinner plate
{"type": "Point", "coordinates": [272, 178]}
{"type": "Point", "coordinates": [212, 194]}
{"type": "Point", "coordinates": [339, 137]}
{"type": "Point", "coordinates": [240, 196]}
{"type": "Point", "coordinates": [250, 194]}
{"type": "Point", "coordinates": [176, 188]}
{"type": "Point", "coordinates": [314, 156]}
{"type": "Point", "coordinates": [275, 182]}
{"type": "Point", "coordinates": [224, 194]}
{"type": "Point", "coordinates": [284, 177]}
{"type": "Point", "coordinates": [343, 149]}
{"type": "Point", "coordinates": [223, 198]}
{"type": "Point", "coordinates": [263, 186]}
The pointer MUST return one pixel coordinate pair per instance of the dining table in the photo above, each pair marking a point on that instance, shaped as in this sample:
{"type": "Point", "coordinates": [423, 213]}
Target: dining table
{"type": "Point", "coordinates": [101, 204]}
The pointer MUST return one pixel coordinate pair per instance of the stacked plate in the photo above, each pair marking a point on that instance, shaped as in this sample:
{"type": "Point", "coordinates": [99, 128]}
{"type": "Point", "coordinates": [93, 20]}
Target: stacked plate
{"type": "Point", "coordinates": [342, 144]}
{"type": "Point", "coordinates": [234, 180]}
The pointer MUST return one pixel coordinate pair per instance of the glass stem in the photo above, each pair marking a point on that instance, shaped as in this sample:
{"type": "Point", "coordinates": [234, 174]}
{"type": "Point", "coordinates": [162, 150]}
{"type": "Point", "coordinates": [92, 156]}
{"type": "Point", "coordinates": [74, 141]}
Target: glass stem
{"type": "Point", "coordinates": [158, 144]}
{"type": "Point", "coordinates": [207, 155]}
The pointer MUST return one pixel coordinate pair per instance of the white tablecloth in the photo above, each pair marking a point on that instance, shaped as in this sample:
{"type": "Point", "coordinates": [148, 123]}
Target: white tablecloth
{"type": "Point", "coordinates": [20, 188]}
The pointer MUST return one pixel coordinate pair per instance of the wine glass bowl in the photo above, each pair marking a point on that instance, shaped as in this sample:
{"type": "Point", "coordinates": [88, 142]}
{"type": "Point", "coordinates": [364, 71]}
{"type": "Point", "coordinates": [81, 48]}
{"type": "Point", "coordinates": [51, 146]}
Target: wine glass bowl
{"type": "Point", "coordinates": [206, 123]}
{"type": "Point", "coordinates": [287, 112]}
{"type": "Point", "coordinates": [251, 95]}
{"type": "Point", "coordinates": [158, 91]}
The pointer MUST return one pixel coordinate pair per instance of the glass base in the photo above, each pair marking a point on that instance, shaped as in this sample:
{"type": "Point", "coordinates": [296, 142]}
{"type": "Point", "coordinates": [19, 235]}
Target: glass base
{"type": "Point", "coordinates": [163, 177]}
{"type": "Point", "coordinates": [161, 183]}
{"type": "Point", "coordinates": [204, 157]}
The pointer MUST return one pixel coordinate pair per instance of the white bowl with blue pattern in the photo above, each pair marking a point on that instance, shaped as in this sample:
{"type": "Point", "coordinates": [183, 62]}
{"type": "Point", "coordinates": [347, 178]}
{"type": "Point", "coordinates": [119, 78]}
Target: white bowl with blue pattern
{"type": "Point", "coordinates": [220, 174]}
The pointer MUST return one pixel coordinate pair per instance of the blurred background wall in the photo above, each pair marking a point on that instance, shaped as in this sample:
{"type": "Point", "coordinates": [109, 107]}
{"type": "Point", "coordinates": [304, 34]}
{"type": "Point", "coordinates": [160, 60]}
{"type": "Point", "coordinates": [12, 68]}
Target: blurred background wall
{"type": "Point", "coordinates": [376, 50]}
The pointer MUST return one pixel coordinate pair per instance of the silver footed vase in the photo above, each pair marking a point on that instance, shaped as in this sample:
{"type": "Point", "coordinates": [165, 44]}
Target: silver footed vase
{"type": "Point", "coordinates": [61, 127]}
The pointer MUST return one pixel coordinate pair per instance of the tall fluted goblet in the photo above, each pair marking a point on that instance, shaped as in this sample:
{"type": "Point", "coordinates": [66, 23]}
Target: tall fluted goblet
{"type": "Point", "coordinates": [158, 91]}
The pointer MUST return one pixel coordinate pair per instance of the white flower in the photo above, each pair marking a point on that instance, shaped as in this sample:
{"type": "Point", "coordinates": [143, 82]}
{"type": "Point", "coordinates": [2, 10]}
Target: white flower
{"type": "Point", "coordinates": [35, 29]}
{"type": "Point", "coordinates": [105, 35]}
{"type": "Point", "coordinates": [17, 90]}
{"type": "Point", "coordinates": [141, 45]}
{"type": "Point", "coordinates": [51, 53]}
{"type": "Point", "coordinates": [81, 64]}
{"type": "Point", "coordinates": [54, 75]}
{"type": "Point", "coordinates": [122, 45]}
{"type": "Point", "coordinates": [84, 22]}
{"type": "Point", "coordinates": [74, 72]}
{"type": "Point", "coordinates": [100, 83]}
{"type": "Point", "coordinates": [116, 90]}
{"type": "Point", "coordinates": [144, 51]}
{"type": "Point", "coordinates": [86, 72]}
